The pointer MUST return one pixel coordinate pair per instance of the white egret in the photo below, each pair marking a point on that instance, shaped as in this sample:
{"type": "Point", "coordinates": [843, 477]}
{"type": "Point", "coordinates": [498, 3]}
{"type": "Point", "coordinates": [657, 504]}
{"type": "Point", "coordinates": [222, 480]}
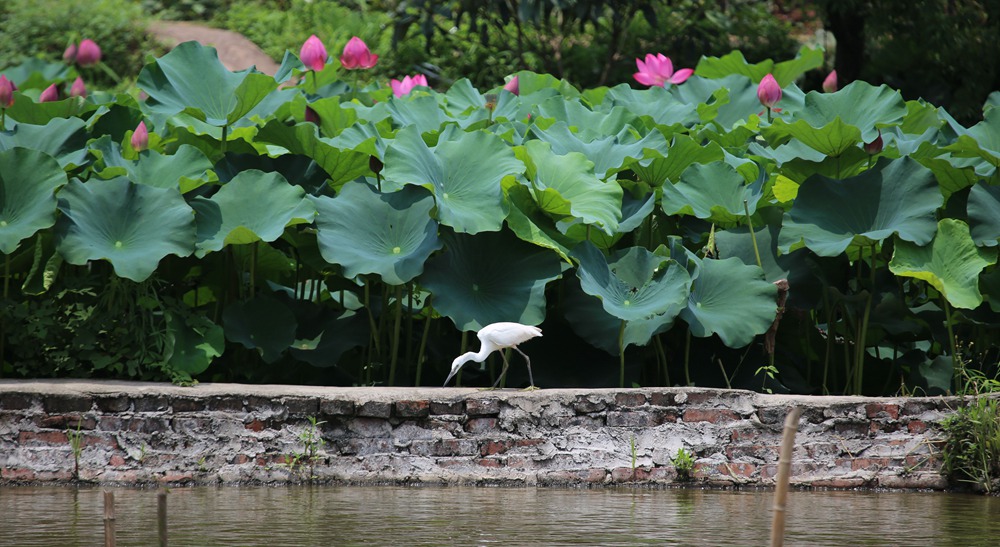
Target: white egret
{"type": "Point", "coordinates": [498, 336]}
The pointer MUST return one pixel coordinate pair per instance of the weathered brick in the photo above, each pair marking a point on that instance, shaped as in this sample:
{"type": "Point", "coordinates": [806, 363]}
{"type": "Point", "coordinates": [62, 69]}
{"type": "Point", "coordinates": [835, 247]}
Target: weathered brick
{"type": "Point", "coordinates": [711, 415]}
{"type": "Point", "coordinates": [375, 409]}
{"type": "Point", "coordinates": [772, 415]}
{"type": "Point", "coordinates": [477, 426]}
{"type": "Point", "coordinates": [490, 448]}
{"type": "Point", "coordinates": [661, 398]}
{"type": "Point", "coordinates": [336, 407]}
{"type": "Point", "coordinates": [150, 403]}
{"type": "Point", "coordinates": [116, 460]}
{"type": "Point", "coordinates": [447, 407]}
{"type": "Point", "coordinates": [489, 462]}
{"type": "Point", "coordinates": [482, 407]}
{"type": "Point", "coordinates": [640, 418]}
{"type": "Point", "coordinates": [112, 403]}
{"type": "Point", "coordinates": [17, 474]}
{"type": "Point", "coordinates": [225, 403]}
{"type": "Point", "coordinates": [445, 447]}
{"type": "Point", "coordinates": [857, 429]}
{"type": "Point", "coordinates": [916, 408]}
{"type": "Point", "coordinates": [630, 399]}
{"type": "Point", "coordinates": [413, 409]}
{"type": "Point", "coordinates": [743, 435]}
{"type": "Point", "coordinates": [585, 405]}
{"type": "Point", "coordinates": [916, 427]}
{"type": "Point", "coordinates": [254, 425]}
{"type": "Point", "coordinates": [867, 463]}
{"type": "Point", "coordinates": [188, 404]}
{"type": "Point", "coordinates": [301, 406]}
{"type": "Point", "coordinates": [36, 438]}
{"type": "Point", "coordinates": [55, 404]}
{"type": "Point", "coordinates": [586, 476]}
{"type": "Point", "coordinates": [882, 410]}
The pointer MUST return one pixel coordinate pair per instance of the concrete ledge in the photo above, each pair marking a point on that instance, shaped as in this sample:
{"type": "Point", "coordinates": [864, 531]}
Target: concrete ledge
{"type": "Point", "coordinates": [136, 433]}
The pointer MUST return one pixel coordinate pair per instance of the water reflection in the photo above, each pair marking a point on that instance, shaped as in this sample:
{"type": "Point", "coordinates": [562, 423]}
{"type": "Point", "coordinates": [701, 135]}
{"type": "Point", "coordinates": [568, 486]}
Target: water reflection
{"type": "Point", "coordinates": [307, 516]}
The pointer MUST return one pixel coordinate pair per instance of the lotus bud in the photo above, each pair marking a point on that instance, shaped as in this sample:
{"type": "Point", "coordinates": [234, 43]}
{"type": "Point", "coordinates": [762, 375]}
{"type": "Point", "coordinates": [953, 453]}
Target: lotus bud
{"type": "Point", "coordinates": [357, 55]}
{"type": "Point", "coordinates": [70, 54]}
{"type": "Point", "coordinates": [6, 92]}
{"type": "Point", "coordinates": [491, 101]}
{"type": "Point", "coordinates": [312, 116]}
{"type": "Point", "coordinates": [88, 54]}
{"type": "Point", "coordinates": [78, 89]}
{"type": "Point", "coordinates": [513, 86]}
{"type": "Point", "coordinates": [50, 94]}
{"type": "Point", "coordinates": [140, 137]}
{"type": "Point", "coordinates": [830, 83]}
{"type": "Point", "coordinates": [875, 146]}
{"type": "Point", "coordinates": [313, 53]}
{"type": "Point", "coordinates": [375, 164]}
{"type": "Point", "coordinates": [769, 92]}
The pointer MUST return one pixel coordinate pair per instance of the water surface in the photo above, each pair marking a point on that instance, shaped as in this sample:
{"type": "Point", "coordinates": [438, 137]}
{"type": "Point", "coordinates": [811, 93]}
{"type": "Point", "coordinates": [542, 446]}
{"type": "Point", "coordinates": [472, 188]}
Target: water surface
{"type": "Point", "coordinates": [307, 516]}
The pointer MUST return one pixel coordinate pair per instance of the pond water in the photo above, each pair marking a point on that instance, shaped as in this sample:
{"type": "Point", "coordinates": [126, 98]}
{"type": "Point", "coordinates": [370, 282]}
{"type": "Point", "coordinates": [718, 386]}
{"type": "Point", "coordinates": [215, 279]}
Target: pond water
{"type": "Point", "coordinates": [308, 516]}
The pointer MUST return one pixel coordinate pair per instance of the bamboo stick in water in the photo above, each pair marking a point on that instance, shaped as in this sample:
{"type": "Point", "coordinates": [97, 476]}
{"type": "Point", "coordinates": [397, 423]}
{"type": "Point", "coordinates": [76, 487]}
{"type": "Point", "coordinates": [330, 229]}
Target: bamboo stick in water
{"type": "Point", "coordinates": [784, 470]}
{"type": "Point", "coordinates": [109, 519]}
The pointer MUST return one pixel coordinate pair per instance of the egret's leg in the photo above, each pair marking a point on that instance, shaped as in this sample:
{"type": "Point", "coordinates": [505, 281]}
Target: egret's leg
{"type": "Point", "coordinates": [531, 381]}
{"type": "Point", "coordinates": [503, 371]}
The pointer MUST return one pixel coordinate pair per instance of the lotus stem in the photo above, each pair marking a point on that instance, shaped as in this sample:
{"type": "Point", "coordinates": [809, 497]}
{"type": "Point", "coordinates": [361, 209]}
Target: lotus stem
{"type": "Point", "coordinates": [423, 342]}
{"type": "Point", "coordinates": [753, 236]}
{"type": "Point", "coordinates": [253, 268]}
{"type": "Point", "coordinates": [621, 354]}
{"type": "Point", "coordinates": [859, 351]}
{"type": "Point", "coordinates": [395, 334]}
{"type": "Point", "coordinates": [662, 357]}
{"type": "Point", "coordinates": [955, 364]}
{"type": "Point", "coordinates": [3, 318]}
{"type": "Point", "coordinates": [225, 139]}
{"type": "Point", "coordinates": [461, 350]}
{"type": "Point", "coordinates": [409, 324]}
{"type": "Point", "coordinates": [687, 357]}
{"type": "Point", "coordinates": [769, 114]}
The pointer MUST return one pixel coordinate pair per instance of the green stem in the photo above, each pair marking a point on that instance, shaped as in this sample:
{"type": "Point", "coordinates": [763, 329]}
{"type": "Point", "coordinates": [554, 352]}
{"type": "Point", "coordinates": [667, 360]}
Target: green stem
{"type": "Point", "coordinates": [621, 355]}
{"type": "Point", "coordinates": [461, 350]}
{"type": "Point", "coordinates": [769, 114]}
{"type": "Point", "coordinates": [753, 237]}
{"type": "Point", "coordinates": [955, 364]}
{"type": "Point", "coordinates": [253, 268]}
{"type": "Point", "coordinates": [423, 343]}
{"type": "Point", "coordinates": [687, 358]}
{"type": "Point", "coordinates": [225, 139]}
{"type": "Point", "coordinates": [859, 353]}
{"type": "Point", "coordinates": [395, 334]}
{"type": "Point", "coordinates": [3, 317]}
{"type": "Point", "coordinates": [110, 72]}
{"type": "Point", "coordinates": [662, 357]}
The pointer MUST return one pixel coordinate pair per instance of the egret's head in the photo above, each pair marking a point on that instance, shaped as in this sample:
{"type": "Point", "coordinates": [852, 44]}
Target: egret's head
{"type": "Point", "coordinates": [456, 365]}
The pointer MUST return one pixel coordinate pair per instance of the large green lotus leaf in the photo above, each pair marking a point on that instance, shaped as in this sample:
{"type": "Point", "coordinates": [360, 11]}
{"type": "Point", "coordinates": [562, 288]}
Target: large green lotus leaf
{"type": "Point", "coordinates": [586, 124]}
{"type": "Point", "coordinates": [186, 169]}
{"type": "Point", "coordinates": [192, 344]}
{"type": "Point", "coordinates": [263, 323]}
{"type": "Point", "coordinates": [714, 191]}
{"type": "Point", "coordinates": [420, 112]}
{"type": "Point", "coordinates": [984, 214]}
{"type": "Point", "coordinates": [464, 170]}
{"type": "Point", "coordinates": [565, 185]}
{"type": "Point", "coordinates": [530, 223]}
{"type": "Point", "coordinates": [609, 154]}
{"type": "Point", "coordinates": [330, 334]}
{"type": "Point", "coordinates": [683, 152]}
{"type": "Point", "coordinates": [342, 165]}
{"type": "Point", "coordinates": [366, 138]}
{"type": "Point", "coordinates": [463, 100]}
{"type": "Point", "coordinates": [333, 116]}
{"type": "Point", "coordinates": [36, 73]}
{"type": "Point", "coordinates": [191, 77]}
{"type": "Point", "coordinates": [952, 173]}
{"type": "Point", "coordinates": [589, 320]}
{"type": "Point", "coordinates": [530, 83]}
{"type": "Point", "coordinates": [302, 169]}
{"type": "Point", "coordinates": [833, 122]}
{"type": "Point", "coordinates": [28, 183]}
{"type": "Point", "coordinates": [896, 196]}
{"type": "Point", "coordinates": [65, 139]}
{"type": "Point", "coordinates": [655, 103]}
{"type": "Point", "coordinates": [731, 299]}
{"type": "Point", "coordinates": [366, 231]}
{"type": "Point", "coordinates": [253, 206]}
{"type": "Point", "coordinates": [784, 72]}
{"type": "Point", "coordinates": [951, 263]}
{"type": "Point", "coordinates": [130, 225]}
{"type": "Point", "coordinates": [634, 211]}
{"type": "Point", "coordinates": [633, 283]}
{"type": "Point", "coordinates": [27, 110]}
{"type": "Point", "coordinates": [490, 277]}
{"type": "Point", "coordinates": [981, 140]}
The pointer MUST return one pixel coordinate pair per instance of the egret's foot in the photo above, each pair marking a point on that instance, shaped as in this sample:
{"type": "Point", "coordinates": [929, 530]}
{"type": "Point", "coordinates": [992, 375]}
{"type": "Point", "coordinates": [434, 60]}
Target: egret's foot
{"type": "Point", "coordinates": [488, 388]}
{"type": "Point", "coordinates": [531, 388]}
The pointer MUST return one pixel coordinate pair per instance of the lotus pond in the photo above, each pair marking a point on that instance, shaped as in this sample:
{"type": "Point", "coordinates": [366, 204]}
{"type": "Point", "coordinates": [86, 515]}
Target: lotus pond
{"type": "Point", "coordinates": [650, 232]}
{"type": "Point", "coordinates": [485, 516]}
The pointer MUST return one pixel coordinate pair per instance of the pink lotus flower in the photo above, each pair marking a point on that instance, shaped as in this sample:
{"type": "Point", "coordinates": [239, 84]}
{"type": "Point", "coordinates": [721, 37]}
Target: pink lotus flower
{"type": "Point", "coordinates": [70, 54]}
{"type": "Point", "coordinates": [769, 92]}
{"type": "Point", "coordinates": [6, 92]}
{"type": "Point", "coordinates": [400, 88]}
{"type": "Point", "coordinates": [313, 53]}
{"type": "Point", "coordinates": [78, 89]}
{"type": "Point", "coordinates": [830, 83]}
{"type": "Point", "coordinates": [50, 94]}
{"type": "Point", "coordinates": [140, 137]}
{"type": "Point", "coordinates": [88, 54]}
{"type": "Point", "coordinates": [357, 55]}
{"type": "Point", "coordinates": [874, 147]}
{"type": "Point", "coordinates": [513, 86]}
{"type": "Point", "coordinates": [658, 70]}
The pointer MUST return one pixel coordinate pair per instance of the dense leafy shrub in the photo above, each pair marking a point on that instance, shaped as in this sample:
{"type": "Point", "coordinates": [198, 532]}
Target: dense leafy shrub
{"type": "Point", "coordinates": [44, 28]}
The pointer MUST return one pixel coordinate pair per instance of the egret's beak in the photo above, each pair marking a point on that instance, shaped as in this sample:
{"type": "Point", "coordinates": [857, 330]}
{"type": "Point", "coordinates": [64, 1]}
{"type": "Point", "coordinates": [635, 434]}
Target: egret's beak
{"type": "Point", "coordinates": [448, 379]}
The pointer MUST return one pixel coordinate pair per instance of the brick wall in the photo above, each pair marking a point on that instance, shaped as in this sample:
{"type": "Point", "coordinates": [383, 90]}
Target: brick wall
{"type": "Point", "coordinates": [225, 433]}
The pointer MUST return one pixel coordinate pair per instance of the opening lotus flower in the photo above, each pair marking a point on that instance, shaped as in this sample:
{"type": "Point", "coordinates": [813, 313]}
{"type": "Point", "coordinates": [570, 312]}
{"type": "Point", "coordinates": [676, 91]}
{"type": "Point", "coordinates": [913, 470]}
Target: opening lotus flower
{"type": "Point", "coordinates": [313, 53]}
{"type": "Point", "coordinates": [874, 147]}
{"type": "Point", "coordinates": [769, 92]}
{"type": "Point", "coordinates": [830, 83]}
{"type": "Point", "coordinates": [400, 88]}
{"type": "Point", "coordinates": [50, 94]}
{"type": "Point", "coordinates": [140, 137]}
{"type": "Point", "coordinates": [88, 53]}
{"type": "Point", "coordinates": [7, 88]}
{"type": "Point", "coordinates": [70, 54]}
{"type": "Point", "coordinates": [78, 89]}
{"type": "Point", "coordinates": [513, 86]}
{"type": "Point", "coordinates": [357, 55]}
{"type": "Point", "coordinates": [658, 70]}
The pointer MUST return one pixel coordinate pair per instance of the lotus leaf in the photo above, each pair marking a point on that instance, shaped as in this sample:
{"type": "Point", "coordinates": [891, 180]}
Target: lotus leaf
{"type": "Point", "coordinates": [984, 214]}
{"type": "Point", "coordinates": [732, 300]}
{"type": "Point", "coordinates": [65, 139]}
{"type": "Point", "coordinates": [712, 191]}
{"type": "Point", "coordinates": [192, 344]}
{"type": "Point", "coordinates": [130, 225]}
{"type": "Point", "coordinates": [951, 263]}
{"type": "Point", "coordinates": [186, 169]}
{"type": "Point", "coordinates": [263, 323]}
{"type": "Point", "coordinates": [28, 183]}
{"type": "Point", "coordinates": [609, 154]}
